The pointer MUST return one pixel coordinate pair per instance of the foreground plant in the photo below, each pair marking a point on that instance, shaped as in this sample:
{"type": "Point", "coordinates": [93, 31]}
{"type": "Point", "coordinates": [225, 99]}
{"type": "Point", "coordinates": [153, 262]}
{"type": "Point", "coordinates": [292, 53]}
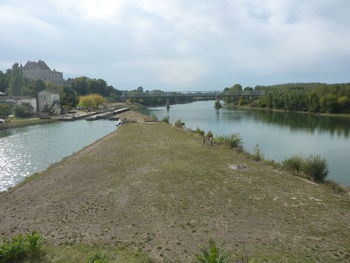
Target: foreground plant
{"type": "Point", "coordinates": [212, 254]}
{"type": "Point", "coordinates": [233, 140]}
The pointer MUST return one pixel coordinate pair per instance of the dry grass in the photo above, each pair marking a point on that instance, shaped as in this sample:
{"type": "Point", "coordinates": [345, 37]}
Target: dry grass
{"type": "Point", "coordinates": [158, 189]}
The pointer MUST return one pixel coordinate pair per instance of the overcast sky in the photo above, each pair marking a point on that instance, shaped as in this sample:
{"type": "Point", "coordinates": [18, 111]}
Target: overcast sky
{"type": "Point", "coordinates": [181, 44]}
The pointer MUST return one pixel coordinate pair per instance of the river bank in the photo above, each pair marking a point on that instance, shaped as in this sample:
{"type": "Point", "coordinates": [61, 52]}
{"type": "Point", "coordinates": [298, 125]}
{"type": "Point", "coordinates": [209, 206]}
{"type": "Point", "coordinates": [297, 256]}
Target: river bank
{"type": "Point", "coordinates": [25, 122]}
{"type": "Point", "coordinates": [152, 187]}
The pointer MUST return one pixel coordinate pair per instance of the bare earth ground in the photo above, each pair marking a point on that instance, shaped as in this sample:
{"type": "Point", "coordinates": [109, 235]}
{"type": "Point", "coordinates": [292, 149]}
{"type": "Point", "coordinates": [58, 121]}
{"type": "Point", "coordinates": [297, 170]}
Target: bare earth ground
{"type": "Point", "coordinates": [154, 187]}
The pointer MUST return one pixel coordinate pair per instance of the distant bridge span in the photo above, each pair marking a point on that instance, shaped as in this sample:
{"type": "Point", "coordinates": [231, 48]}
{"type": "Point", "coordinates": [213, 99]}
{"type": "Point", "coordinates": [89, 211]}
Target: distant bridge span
{"type": "Point", "coordinates": [196, 94]}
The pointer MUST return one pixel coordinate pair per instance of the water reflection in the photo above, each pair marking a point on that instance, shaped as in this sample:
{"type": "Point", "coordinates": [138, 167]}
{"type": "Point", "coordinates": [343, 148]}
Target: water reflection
{"type": "Point", "coordinates": [26, 150]}
{"type": "Point", "coordinates": [339, 126]}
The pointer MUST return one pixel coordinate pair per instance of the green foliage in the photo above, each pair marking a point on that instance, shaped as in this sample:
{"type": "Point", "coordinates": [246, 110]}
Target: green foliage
{"type": "Point", "coordinates": [257, 154]}
{"type": "Point", "coordinates": [20, 247]}
{"type": "Point", "coordinates": [24, 110]}
{"type": "Point", "coordinates": [97, 258]}
{"type": "Point", "coordinates": [69, 97]}
{"type": "Point", "coordinates": [16, 82]}
{"type": "Point", "coordinates": [5, 110]}
{"type": "Point", "coordinates": [313, 165]}
{"type": "Point", "coordinates": [91, 101]}
{"type": "Point", "coordinates": [308, 97]}
{"type": "Point", "coordinates": [293, 163]}
{"type": "Point", "coordinates": [316, 167]}
{"type": "Point", "coordinates": [199, 132]}
{"type": "Point", "coordinates": [209, 134]}
{"type": "Point", "coordinates": [233, 140]}
{"type": "Point", "coordinates": [179, 124]}
{"type": "Point", "coordinates": [212, 254]}
{"type": "Point", "coordinates": [165, 119]}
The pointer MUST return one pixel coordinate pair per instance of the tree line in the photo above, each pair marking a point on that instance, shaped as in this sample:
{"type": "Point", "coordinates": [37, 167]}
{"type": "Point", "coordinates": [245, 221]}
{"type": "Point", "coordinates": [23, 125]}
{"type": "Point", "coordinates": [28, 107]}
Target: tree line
{"type": "Point", "coordinates": [307, 97]}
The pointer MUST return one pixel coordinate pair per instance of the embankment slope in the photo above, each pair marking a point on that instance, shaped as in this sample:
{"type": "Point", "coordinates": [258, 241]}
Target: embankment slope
{"type": "Point", "coordinates": [154, 187]}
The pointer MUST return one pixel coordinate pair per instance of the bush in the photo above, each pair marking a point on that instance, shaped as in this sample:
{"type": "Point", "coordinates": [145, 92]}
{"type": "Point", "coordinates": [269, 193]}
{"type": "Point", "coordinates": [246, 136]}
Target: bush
{"type": "Point", "coordinates": [209, 134]}
{"type": "Point", "coordinates": [233, 140]}
{"type": "Point", "coordinates": [179, 124]}
{"type": "Point", "coordinates": [5, 110]}
{"type": "Point", "coordinates": [199, 131]}
{"type": "Point", "coordinates": [97, 258]}
{"type": "Point", "coordinates": [20, 247]}
{"type": "Point", "coordinates": [314, 166]}
{"type": "Point", "coordinates": [294, 163]}
{"type": "Point", "coordinates": [24, 111]}
{"type": "Point", "coordinates": [212, 254]}
{"type": "Point", "coordinates": [165, 119]}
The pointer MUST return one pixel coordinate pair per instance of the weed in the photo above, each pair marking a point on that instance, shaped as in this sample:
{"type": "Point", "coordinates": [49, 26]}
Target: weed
{"type": "Point", "coordinates": [257, 155]}
{"type": "Point", "coordinates": [209, 134]}
{"type": "Point", "coordinates": [165, 119]}
{"type": "Point", "coordinates": [212, 254]}
{"type": "Point", "coordinates": [199, 131]}
{"type": "Point", "coordinates": [179, 124]}
{"type": "Point", "coordinates": [293, 163]}
{"type": "Point", "coordinates": [97, 258]}
{"type": "Point", "coordinates": [233, 140]}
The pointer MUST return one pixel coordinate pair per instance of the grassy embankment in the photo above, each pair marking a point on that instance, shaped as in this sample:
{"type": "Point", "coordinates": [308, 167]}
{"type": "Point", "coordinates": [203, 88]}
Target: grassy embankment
{"type": "Point", "coordinates": [21, 122]}
{"type": "Point", "coordinates": [156, 189]}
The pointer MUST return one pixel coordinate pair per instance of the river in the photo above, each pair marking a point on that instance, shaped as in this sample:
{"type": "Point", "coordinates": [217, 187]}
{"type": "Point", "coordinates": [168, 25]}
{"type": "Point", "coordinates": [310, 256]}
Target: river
{"type": "Point", "coordinates": [26, 150]}
{"type": "Point", "coordinates": [278, 134]}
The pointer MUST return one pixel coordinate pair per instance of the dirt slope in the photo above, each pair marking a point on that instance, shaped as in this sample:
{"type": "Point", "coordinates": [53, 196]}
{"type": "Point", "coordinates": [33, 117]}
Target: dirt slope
{"type": "Point", "coordinates": [156, 188]}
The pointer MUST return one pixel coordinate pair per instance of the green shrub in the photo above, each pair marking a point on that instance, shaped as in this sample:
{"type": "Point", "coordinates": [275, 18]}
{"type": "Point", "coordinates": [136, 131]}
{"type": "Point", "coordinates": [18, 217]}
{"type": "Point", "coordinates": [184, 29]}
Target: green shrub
{"type": "Point", "coordinates": [293, 163]}
{"type": "Point", "coordinates": [257, 155]}
{"type": "Point", "coordinates": [316, 167]}
{"type": "Point", "coordinates": [233, 140]}
{"type": "Point", "coordinates": [165, 119]}
{"type": "Point", "coordinates": [217, 104]}
{"type": "Point", "coordinates": [179, 124]}
{"type": "Point", "coordinates": [20, 247]}
{"type": "Point", "coordinates": [24, 111]}
{"type": "Point", "coordinates": [212, 254]}
{"type": "Point", "coordinates": [313, 165]}
{"type": "Point", "coordinates": [199, 131]}
{"type": "Point", "coordinates": [97, 258]}
{"type": "Point", "coordinates": [209, 134]}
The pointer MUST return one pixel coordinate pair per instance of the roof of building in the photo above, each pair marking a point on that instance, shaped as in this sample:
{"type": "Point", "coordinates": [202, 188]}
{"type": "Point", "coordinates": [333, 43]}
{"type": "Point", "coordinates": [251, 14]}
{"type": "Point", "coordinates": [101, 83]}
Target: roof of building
{"type": "Point", "coordinates": [36, 65]}
{"type": "Point", "coordinates": [50, 91]}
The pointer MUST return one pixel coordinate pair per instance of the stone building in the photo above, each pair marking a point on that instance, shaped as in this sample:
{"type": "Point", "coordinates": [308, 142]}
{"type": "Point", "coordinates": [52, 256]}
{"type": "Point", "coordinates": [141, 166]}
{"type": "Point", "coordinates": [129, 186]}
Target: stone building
{"type": "Point", "coordinates": [19, 100]}
{"type": "Point", "coordinates": [40, 70]}
{"type": "Point", "coordinates": [49, 101]}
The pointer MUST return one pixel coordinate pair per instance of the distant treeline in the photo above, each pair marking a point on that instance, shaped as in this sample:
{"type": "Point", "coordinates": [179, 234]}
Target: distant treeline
{"type": "Point", "coordinates": [307, 97]}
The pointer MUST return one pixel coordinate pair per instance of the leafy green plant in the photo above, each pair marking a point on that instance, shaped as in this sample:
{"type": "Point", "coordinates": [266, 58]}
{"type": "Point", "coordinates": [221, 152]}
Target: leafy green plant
{"type": "Point", "coordinates": [97, 258]}
{"type": "Point", "coordinates": [179, 124]}
{"type": "Point", "coordinates": [20, 247]}
{"type": "Point", "coordinates": [199, 131]}
{"type": "Point", "coordinates": [165, 119]}
{"type": "Point", "coordinates": [212, 254]}
{"type": "Point", "coordinates": [257, 155]}
{"type": "Point", "coordinates": [233, 140]}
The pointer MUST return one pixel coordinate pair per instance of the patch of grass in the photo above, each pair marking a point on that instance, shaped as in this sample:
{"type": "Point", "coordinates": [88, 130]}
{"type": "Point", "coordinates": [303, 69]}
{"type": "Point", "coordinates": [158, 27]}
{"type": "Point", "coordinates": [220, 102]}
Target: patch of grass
{"type": "Point", "coordinates": [257, 154]}
{"type": "Point", "coordinates": [199, 132]}
{"type": "Point", "coordinates": [97, 258]}
{"type": "Point", "coordinates": [212, 254]}
{"type": "Point", "coordinates": [293, 163]}
{"type": "Point", "coordinates": [233, 141]}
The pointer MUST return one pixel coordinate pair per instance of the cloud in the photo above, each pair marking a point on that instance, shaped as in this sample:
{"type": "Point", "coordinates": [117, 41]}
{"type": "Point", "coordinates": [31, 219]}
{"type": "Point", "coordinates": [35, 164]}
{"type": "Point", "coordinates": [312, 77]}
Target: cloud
{"type": "Point", "coordinates": [199, 44]}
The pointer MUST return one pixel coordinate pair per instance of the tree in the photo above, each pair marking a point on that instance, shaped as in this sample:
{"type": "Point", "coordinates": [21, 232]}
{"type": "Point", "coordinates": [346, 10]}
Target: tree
{"type": "Point", "coordinates": [91, 101]}
{"type": "Point", "coordinates": [5, 110]}
{"type": "Point", "coordinates": [16, 81]}
{"type": "Point", "coordinates": [69, 97]}
{"type": "Point", "coordinates": [24, 110]}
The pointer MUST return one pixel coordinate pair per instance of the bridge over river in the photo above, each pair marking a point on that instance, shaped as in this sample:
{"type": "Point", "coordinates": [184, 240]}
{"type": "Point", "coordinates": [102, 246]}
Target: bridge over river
{"type": "Point", "coordinates": [194, 94]}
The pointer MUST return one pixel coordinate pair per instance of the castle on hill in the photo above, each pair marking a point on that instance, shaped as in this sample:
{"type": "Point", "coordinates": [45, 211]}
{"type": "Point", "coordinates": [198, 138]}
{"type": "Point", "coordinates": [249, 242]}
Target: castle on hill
{"type": "Point", "coordinates": [40, 70]}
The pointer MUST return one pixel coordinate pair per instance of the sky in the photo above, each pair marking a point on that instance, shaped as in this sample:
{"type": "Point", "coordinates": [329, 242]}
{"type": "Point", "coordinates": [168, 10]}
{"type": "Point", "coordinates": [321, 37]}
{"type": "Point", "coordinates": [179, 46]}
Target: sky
{"type": "Point", "coordinates": [181, 45]}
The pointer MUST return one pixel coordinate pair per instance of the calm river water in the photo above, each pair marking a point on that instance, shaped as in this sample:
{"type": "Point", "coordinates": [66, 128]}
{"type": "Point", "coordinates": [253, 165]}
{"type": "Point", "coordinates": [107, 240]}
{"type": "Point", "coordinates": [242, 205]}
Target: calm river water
{"type": "Point", "coordinates": [278, 134]}
{"type": "Point", "coordinates": [26, 150]}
